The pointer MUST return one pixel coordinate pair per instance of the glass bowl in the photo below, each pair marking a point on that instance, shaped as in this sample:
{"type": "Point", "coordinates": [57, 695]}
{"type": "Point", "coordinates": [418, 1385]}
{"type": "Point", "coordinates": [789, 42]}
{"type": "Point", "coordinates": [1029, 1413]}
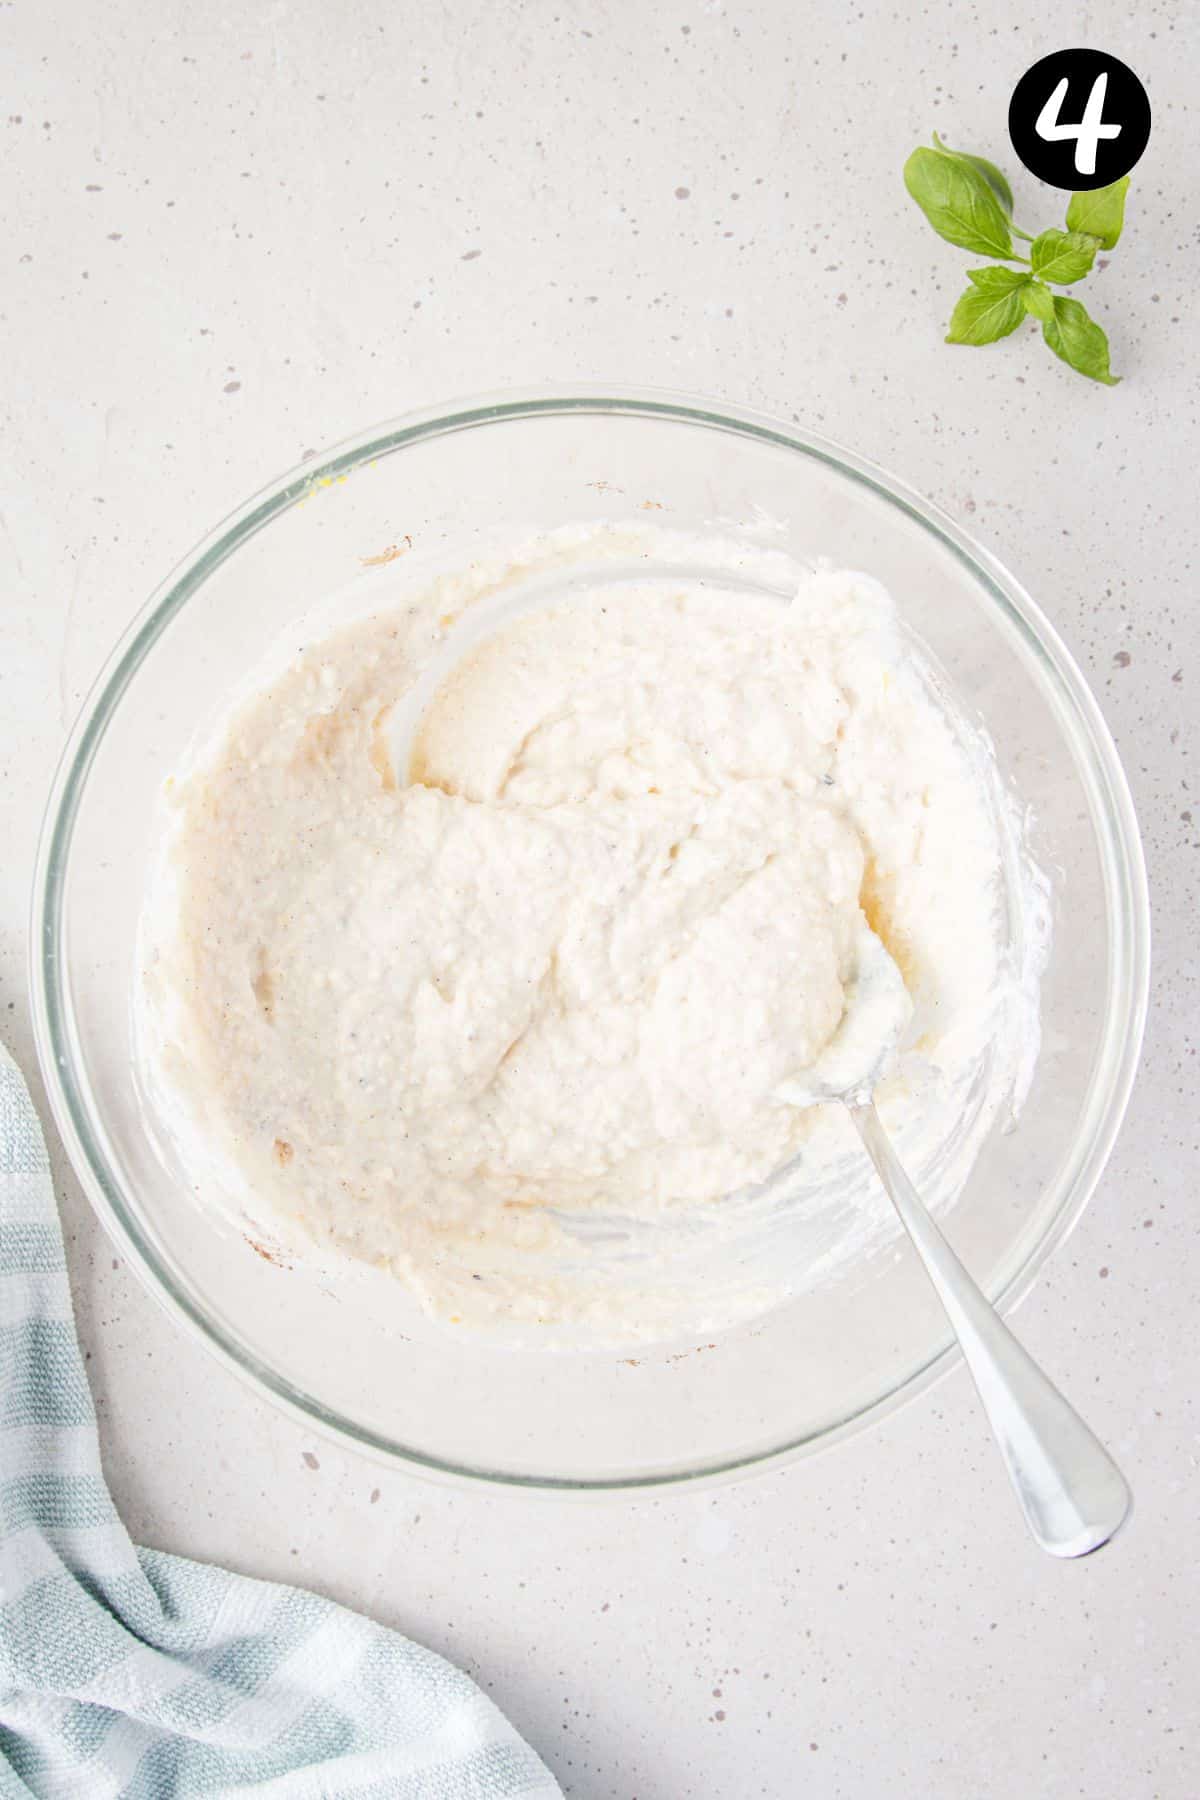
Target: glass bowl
{"type": "Point", "coordinates": [830, 1361]}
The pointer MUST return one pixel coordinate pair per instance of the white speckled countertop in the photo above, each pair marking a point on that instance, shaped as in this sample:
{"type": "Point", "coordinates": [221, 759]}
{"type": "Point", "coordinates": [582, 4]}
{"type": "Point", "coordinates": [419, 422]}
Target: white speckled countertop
{"type": "Point", "coordinates": [236, 234]}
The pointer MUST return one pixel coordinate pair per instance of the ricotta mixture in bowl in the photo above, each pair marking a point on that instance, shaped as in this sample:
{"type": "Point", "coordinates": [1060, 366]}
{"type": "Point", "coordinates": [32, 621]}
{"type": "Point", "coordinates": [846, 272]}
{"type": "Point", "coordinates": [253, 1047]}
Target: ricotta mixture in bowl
{"type": "Point", "coordinates": [513, 1017]}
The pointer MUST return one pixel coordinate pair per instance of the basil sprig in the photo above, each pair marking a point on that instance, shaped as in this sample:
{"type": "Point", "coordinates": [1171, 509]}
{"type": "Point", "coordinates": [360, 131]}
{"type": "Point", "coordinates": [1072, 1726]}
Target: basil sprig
{"type": "Point", "coordinates": [968, 202]}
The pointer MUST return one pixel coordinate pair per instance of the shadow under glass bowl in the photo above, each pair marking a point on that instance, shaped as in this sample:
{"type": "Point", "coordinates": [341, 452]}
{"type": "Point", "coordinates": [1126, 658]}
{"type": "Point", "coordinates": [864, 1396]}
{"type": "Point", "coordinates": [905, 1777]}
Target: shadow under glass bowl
{"type": "Point", "coordinates": [829, 1362]}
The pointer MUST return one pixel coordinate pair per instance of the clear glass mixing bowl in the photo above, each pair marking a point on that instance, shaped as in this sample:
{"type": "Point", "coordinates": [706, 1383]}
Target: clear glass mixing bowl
{"type": "Point", "coordinates": [828, 1362]}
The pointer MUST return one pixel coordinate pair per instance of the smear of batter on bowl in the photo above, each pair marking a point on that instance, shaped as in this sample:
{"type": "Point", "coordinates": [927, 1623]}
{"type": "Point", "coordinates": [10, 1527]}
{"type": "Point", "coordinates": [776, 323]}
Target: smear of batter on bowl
{"type": "Point", "coordinates": [559, 968]}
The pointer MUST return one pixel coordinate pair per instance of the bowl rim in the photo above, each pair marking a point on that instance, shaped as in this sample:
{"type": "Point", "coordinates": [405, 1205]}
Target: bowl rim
{"type": "Point", "coordinates": [1077, 712]}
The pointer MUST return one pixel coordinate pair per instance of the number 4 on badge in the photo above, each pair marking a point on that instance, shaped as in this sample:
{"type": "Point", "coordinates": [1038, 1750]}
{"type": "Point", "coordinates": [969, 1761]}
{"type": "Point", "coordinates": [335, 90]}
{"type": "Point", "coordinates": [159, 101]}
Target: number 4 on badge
{"type": "Point", "coordinates": [1087, 133]}
{"type": "Point", "coordinates": [1104, 144]}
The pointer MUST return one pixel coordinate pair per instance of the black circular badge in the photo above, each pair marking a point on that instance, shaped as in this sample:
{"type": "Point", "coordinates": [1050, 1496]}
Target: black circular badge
{"type": "Point", "coordinates": [1079, 119]}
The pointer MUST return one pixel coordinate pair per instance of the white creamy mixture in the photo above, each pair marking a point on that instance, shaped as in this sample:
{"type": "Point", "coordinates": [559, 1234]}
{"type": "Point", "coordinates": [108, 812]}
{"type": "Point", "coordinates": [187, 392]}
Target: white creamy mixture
{"type": "Point", "coordinates": [567, 969]}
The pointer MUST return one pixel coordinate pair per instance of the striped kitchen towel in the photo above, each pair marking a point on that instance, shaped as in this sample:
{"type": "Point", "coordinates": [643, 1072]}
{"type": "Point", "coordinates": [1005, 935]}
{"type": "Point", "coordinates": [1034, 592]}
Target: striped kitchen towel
{"type": "Point", "coordinates": [130, 1672]}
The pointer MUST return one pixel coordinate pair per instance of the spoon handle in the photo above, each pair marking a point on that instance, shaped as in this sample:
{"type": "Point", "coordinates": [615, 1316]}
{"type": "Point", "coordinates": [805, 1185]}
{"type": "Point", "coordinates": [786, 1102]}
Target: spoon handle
{"type": "Point", "coordinates": [1072, 1494]}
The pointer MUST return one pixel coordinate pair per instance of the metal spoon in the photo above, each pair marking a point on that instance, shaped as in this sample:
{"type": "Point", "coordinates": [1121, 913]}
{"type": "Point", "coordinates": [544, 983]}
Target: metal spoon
{"type": "Point", "coordinates": [1072, 1494]}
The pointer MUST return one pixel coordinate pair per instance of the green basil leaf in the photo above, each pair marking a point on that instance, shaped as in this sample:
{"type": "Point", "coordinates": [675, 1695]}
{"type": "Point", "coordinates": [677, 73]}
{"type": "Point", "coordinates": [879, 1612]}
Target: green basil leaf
{"type": "Point", "coordinates": [981, 316]}
{"type": "Point", "coordinates": [1038, 300]}
{"type": "Point", "coordinates": [994, 177]}
{"type": "Point", "coordinates": [958, 202]}
{"type": "Point", "coordinates": [997, 280]}
{"type": "Point", "coordinates": [1078, 339]}
{"type": "Point", "coordinates": [1101, 214]}
{"type": "Point", "coordinates": [1063, 256]}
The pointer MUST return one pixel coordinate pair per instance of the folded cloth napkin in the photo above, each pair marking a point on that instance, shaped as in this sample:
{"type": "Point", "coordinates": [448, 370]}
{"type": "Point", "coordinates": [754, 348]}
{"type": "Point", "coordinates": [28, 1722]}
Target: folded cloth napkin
{"type": "Point", "coordinates": [130, 1672]}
